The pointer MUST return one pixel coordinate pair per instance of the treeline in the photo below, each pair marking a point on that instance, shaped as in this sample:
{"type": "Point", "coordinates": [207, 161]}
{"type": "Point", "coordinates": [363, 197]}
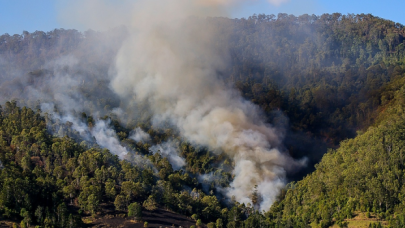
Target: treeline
{"type": "Point", "coordinates": [33, 51]}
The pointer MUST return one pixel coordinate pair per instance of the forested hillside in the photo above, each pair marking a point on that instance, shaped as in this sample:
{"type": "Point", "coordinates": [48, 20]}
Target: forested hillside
{"type": "Point", "coordinates": [52, 181]}
{"type": "Point", "coordinates": [331, 81]}
{"type": "Point", "coordinates": [322, 72]}
{"type": "Point", "coordinates": [365, 175]}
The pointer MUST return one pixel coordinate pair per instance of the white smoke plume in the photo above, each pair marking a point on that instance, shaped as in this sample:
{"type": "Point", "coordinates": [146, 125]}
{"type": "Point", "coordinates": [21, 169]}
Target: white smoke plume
{"type": "Point", "coordinates": [138, 135]}
{"type": "Point", "coordinates": [170, 151]}
{"type": "Point", "coordinates": [77, 125]}
{"type": "Point", "coordinates": [107, 138]}
{"type": "Point", "coordinates": [170, 61]}
{"type": "Point", "coordinates": [104, 135]}
{"type": "Point", "coordinates": [208, 179]}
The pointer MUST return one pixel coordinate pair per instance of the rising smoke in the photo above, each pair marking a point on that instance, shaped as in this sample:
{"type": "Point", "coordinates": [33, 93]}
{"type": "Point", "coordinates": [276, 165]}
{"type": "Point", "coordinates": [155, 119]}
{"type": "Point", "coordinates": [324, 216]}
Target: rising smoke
{"type": "Point", "coordinates": [170, 61]}
{"type": "Point", "coordinates": [101, 134]}
{"type": "Point", "coordinates": [138, 135]}
{"type": "Point", "coordinates": [170, 150]}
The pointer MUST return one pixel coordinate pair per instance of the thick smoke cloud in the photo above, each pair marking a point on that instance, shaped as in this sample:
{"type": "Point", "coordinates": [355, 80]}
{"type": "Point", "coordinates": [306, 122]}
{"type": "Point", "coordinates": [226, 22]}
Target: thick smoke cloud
{"type": "Point", "coordinates": [170, 62]}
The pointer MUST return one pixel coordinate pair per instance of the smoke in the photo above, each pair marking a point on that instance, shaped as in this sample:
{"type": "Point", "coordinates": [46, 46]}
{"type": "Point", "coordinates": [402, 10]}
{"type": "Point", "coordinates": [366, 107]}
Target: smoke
{"type": "Point", "coordinates": [138, 135]}
{"type": "Point", "coordinates": [103, 134]}
{"type": "Point", "coordinates": [81, 128]}
{"type": "Point", "coordinates": [277, 2]}
{"type": "Point", "coordinates": [107, 138]}
{"type": "Point", "coordinates": [170, 150]}
{"type": "Point", "coordinates": [171, 62]}
{"type": "Point", "coordinates": [211, 179]}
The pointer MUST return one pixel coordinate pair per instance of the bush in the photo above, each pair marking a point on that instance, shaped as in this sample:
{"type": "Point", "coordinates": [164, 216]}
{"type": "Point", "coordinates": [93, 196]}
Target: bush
{"type": "Point", "coordinates": [219, 223]}
{"type": "Point", "coordinates": [199, 223]}
{"type": "Point", "coordinates": [194, 217]}
{"type": "Point", "coordinates": [22, 224]}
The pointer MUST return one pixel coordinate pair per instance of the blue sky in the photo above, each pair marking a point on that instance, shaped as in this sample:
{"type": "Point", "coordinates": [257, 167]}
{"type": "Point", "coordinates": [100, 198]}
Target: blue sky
{"type": "Point", "coordinates": [19, 15]}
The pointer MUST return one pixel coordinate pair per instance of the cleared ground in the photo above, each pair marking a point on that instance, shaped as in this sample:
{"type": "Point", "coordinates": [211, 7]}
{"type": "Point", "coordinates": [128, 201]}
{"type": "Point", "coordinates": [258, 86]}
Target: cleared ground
{"type": "Point", "coordinates": [158, 218]}
{"type": "Point", "coordinates": [110, 218]}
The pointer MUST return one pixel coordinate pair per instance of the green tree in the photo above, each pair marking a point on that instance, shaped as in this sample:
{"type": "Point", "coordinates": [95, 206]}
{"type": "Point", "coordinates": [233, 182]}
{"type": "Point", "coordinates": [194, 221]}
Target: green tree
{"type": "Point", "coordinates": [135, 210]}
{"type": "Point", "coordinates": [199, 223]}
{"type": "Point", "coordinates": [120, 203]}
{"type": "Point", "coordinates": [93, 204]}
{"type": "Point", "coordinates": [150, 203]}
{"type": "Point", "coordinates": [23, 224]}
{"type": "Point", "coordinates": [194, 217]}
{"type": "Point", "coordinates": [26, 163]}
{"type": "Point", "coordinates": [39, 214]}
{"type": "Point", "coordinates": [219, 223]}
{"type": "Point", "coordinates": [110, 188]}
{"type": "Point", "coordinates": [26, 217]}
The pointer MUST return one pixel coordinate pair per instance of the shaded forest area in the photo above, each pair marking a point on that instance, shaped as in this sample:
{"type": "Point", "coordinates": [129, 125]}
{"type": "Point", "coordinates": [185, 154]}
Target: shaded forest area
{"type": "Point", "coordinates": [322, 79]}
{"type": "Point", "coordinates": [365, 175]}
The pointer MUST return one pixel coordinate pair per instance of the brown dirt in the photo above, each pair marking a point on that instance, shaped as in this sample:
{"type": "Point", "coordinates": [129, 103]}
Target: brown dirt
{"type": "Point", "coordinates": [156, 219]}
{"type": "Point", "coordinates": [111, 218]}
{"type": "Point", "coordinates": [6, 224]}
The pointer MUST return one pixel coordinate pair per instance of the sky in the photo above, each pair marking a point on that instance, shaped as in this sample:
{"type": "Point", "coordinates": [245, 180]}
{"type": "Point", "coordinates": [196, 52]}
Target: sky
{"type": "Point", "coordinates": [17, 16]}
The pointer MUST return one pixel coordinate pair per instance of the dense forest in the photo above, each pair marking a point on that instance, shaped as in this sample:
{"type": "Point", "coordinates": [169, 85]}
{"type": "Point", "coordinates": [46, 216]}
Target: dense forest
{"type": "Point", "coordinates": [364, 175]}
{"type": "Point", "coordinates": [333, 84]}
{"type": "Point", "coordinates": [51, 181]}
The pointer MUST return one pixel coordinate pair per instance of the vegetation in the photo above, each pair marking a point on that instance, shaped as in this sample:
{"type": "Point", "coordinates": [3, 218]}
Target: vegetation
{"type": "Point", "coordinates": [325, 66]}
{"type": "Point", "coordinates": [135, 210]}
{"type": "Point", "coordinates": [51, 181]}
{"type": "Point", "coordinates": [366, 174]}
{"type": "Point", "coordinates": [339, 80]}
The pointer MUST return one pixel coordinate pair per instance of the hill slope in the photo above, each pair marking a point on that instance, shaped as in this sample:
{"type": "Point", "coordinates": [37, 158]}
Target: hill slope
{"type": "Point", "coordinates": [319, 80]}
{"type": "Point", "coordinates": [366, 174]}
